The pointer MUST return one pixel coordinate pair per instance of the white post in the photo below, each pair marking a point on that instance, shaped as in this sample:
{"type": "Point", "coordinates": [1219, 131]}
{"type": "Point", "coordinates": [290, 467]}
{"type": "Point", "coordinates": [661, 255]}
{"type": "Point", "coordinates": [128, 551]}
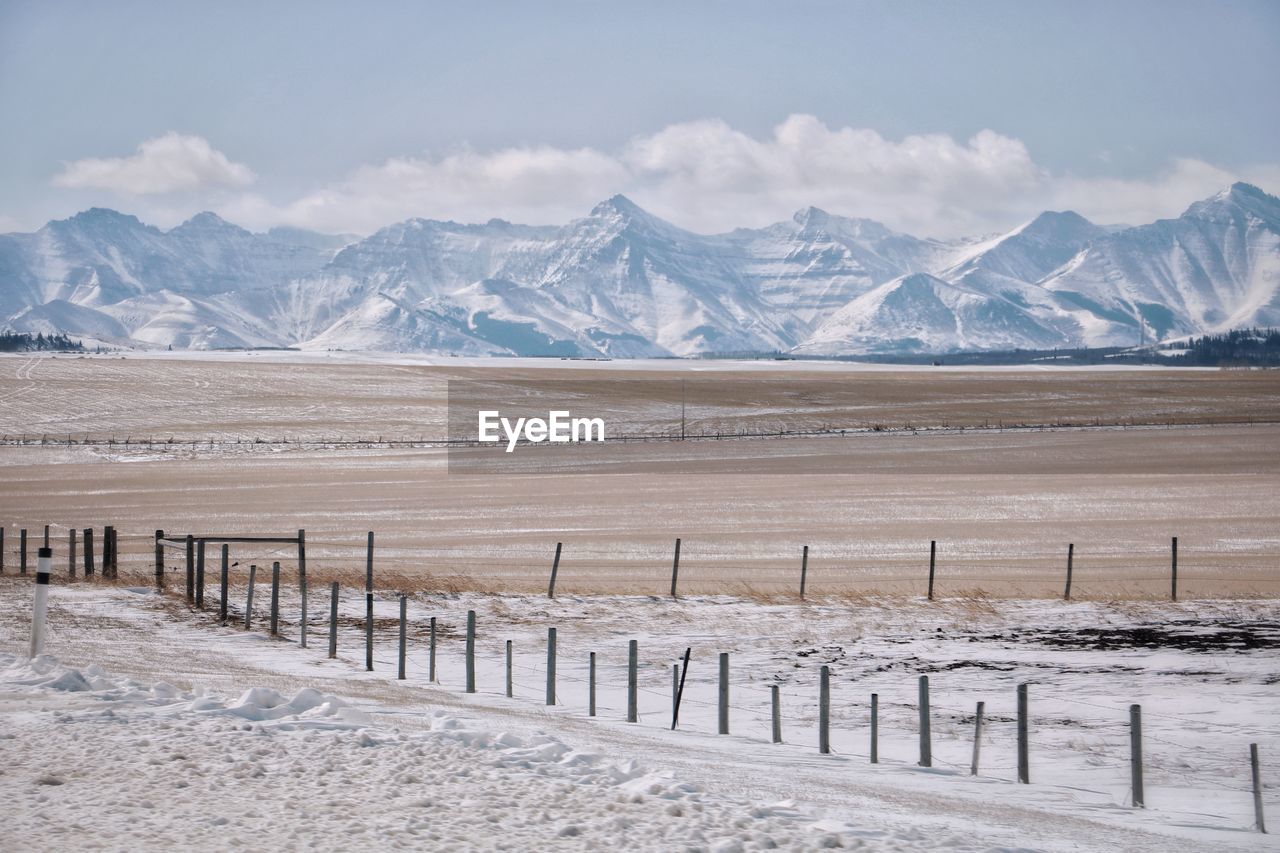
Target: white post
{"type": "Point", "coordinates": [44, 565]}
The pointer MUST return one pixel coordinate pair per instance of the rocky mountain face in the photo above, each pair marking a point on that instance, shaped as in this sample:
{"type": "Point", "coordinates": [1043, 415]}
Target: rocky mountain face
{"type": "Point", "coordinates": [624, 283]}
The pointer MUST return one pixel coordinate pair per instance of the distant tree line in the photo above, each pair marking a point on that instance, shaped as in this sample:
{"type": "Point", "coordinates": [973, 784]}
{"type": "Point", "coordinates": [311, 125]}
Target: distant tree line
{"type": "Point", "coordinates": [27, 342]}
{"type": "Point", "coordinates": [1237, 348]}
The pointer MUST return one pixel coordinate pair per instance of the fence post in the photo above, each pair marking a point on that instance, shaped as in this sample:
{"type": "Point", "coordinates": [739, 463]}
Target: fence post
{"type": "Point", "coordinates": [510, 664]}
{"type": "Point", "coordinates": [1024, 760]}
{"type": "Point", "coordinates": [633, 663]}
{"type": "Point", "coordinates": [115, 553]}
{"type": "Point", "coordinates": [724, 693]}
{"type": "Point", "coordinates": [933, 558]}
{"type": "Point", "coordinates": [431, 656]}
{"type": "Point", "coordinates": [471, 651]}
{"type": "Point", "coordinates": [248, 601]}
{"type": "Point", "coordinates": [191, 568]}
{"type": "Point", "coordinates": [555, 567]}
{"type": "Point", "coordinates": [88, 552]}
{"type": "Point", "coordinates": [159, 560]}
{"type": "Point", "coordinates": [39, 607]}
{"type": "Point", "coordinates": [22, 554]}
{"type": "Point", "coordinates": [977, 738]}
{"type": "Point", "coordinates": [875, 728]}
{"type": "Point", "coordinates": [1174, 568]}
{"type": "Point", "coordinates": [551, 666]}
{"type": "Point", "coordinates": [302, 584]}
{"type": "Point", "coordinates": [333, 620]}
{"type": "Point", "coordinates": [675, 714]}
{"type": "Point", "coordinates": [926, 737]}
{"type": "Point", "coordinates": [1, 550]}
{"type": "Point", "coordinates": [71, 553]}
{"type": "Point", "coordinates": [404, 634]}
{"type": "Point", "coordinates": [223, 579]}
{"type": "Point", "coordinates": [675, 693]}
{"type": "Point", "coordinates": [1071, 550]}
{"type": "Point", "coordinates": [199, 570]}
{"type": "Point", "coordinates": [824, 710]}
{"type": "Point", "coordinates": [1256, 772]}
{"type": "Point", "coordinates": [1135, 755]}
{"type": "Point", "coordinates": [591, 685]}
{"type": "Point", "coordinates": [775, 708]}
{"type": "Point", "coordinates": [368, 606]}
{"type": "Point", "coordinates": [675, 569]}
{"type": "Point", "coordinates": [275, 598]}
{"type": "Point", "coordinates": [804, 570]}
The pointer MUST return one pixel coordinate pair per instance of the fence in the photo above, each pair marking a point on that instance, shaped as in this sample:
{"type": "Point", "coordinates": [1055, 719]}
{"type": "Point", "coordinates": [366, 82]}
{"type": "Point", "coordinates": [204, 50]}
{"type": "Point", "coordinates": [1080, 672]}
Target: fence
{"type": "Point", "coordinates": [734, 699]}
{"type": "Point", "coordinates": [634, 569]}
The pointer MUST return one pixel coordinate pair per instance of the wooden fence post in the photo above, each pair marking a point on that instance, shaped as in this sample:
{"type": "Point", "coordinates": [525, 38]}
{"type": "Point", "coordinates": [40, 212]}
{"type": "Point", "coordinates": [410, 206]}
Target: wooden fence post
{"type": "Point", "coordinates": [875, 728]}
{"type": "Point", "coordinates": [1, 550]}
{"type": "Point", "coordinates": [22, 552]}
{"type": "Point", "coordinates": [191, 568]}
{"type": "Point", "coordinates": [675, 569]}
{"type": "Point", "coordinates": [223, 580]}
{"type": "Point", "coordinates": [1256, 773]}
{"type": "Point", "coordinates": [368, 606]}
{"type": "Point", "coordinates": [1173, 593]}
{"type": "Point", "coordinates": [933, 558]}
{"type": "Point", "coordinates": [88, 552]}
{"type": "Point", "coordinates": [159, 560]}
{"type": "Point", "coordinates": [1135, 755]}
{"type": "Point", "coordinates": [926, 738]}
{"type": "Point", "coordinates": [302, 584]}
{"type": "Point", "coordinates": [679, 692]}
{"type": "Point", "coordinates": [775, 708]}
{"type": "Point", "coordinates": [551, 666]}
{"type": "Point", "coordinates": [977, 738]}
{"type": "Point", "coordinates": [824, 710]}
{"type": "Point", "coordinates": [633, 664]}
{"type": "Point", "coordinates": [1024, 759]}
{"type": "Point", "coordinates": [555, 567]}
{"type": "Point", "coordinates": [1071, 550]}
{"type": "Point", "coordinates": [404, 635]}
{"type": "Point", "coordinates": [115, 553]}
{"type": "Point", "coordinates": [510, 665]}
{"type": "Point", "coordinates": [71, 553]}
{"type": "Point", "coordinates": [248, 601]}
{"type": "Point", "coordinates": [106, 553]}
{"type": "Point", "coordinates": [804, 570]}
{"type": "Point", "coordinates": [199, 572]}
{"type": "Point", "coordinates": [333, 620]}
{"type": "Point", "coordinates": [471, 651]}
{"type": "Point", "coordinates": [431, 655]}
{"type": "Point", "coordinates": [275, 598]}
{"type": "Point", "coordinates": [591, 685]}
{"type": "Point", "coordinates": [724, 693]}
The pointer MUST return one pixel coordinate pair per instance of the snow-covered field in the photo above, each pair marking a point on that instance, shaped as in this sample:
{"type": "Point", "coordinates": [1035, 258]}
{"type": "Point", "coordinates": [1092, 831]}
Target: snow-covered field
{"type": "Point", "coordinates": [155, 727]}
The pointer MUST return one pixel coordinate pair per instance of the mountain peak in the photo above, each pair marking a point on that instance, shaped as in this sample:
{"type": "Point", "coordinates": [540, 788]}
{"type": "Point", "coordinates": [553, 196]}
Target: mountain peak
{"type": "Point", "coordinates": [1242, 196]}
{"type": "Point", "coordinates": [102, 216]}
{"type": "Point", "coordinates": [811, 215]}
{"type": "Point", "coordinates": [1062, 226]}
{"type": "Point", "coordinates": [207, 222]}
{"type": "Point", "coordinates": [618, 205]}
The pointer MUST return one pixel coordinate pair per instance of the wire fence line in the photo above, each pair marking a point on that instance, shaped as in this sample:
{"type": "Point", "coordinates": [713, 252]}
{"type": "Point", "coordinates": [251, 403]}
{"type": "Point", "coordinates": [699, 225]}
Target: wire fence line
{"type": "Point", "coordinates": [673, 434]}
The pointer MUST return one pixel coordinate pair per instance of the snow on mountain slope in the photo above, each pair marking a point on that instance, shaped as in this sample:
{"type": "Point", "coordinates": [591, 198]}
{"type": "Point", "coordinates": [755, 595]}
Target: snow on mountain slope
{"type": "Point", "coordinates": [922, 313]}
{"type": "Point", "coordinates": [625, 283]}
{"type": "Point", "coordinates": [1215, 267]}
{"type": "Point", "coordinates": [818, 262]}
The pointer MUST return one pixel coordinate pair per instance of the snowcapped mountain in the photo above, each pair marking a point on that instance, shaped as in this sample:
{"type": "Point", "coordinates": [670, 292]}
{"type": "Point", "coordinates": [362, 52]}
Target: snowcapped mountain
{"type": "Point", "coordinates": [624, 283]}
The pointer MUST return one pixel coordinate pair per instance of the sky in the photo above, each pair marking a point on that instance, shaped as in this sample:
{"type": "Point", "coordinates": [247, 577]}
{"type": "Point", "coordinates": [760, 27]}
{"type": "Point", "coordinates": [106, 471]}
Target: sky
{"type": "Point", "coordinates": [941, 119]}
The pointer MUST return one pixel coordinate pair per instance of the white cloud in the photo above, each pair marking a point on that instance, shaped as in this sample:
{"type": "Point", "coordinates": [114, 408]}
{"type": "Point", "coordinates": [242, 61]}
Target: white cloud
{"type": "Point", "coordinates": [170, 163]}
{"type": "Point", "coordinates": [703, 175]}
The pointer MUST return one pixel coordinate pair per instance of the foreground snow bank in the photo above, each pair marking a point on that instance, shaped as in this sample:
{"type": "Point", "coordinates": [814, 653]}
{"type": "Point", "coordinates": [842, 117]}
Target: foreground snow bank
{"type": "Point", "coordinates": [96, 759]}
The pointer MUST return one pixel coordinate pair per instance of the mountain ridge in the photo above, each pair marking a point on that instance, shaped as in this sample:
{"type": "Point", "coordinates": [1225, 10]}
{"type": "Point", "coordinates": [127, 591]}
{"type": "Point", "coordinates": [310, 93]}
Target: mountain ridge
{"type": "Point", "coordinates": [623, 282]}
